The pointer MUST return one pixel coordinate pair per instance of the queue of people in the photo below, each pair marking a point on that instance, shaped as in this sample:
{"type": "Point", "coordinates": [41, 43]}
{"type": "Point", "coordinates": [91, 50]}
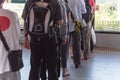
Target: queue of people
{"type": "Point", "coordinates": [50, 27]}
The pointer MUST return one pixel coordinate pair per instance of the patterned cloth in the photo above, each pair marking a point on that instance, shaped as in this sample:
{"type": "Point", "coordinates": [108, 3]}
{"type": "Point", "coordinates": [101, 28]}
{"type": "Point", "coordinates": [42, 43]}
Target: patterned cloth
{"type": "Point", "coordinates": [64, 27]}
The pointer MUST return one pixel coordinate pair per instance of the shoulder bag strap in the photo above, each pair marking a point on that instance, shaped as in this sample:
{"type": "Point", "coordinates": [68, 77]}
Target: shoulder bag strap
{"type": "Point", "coordinates": [4, 41]}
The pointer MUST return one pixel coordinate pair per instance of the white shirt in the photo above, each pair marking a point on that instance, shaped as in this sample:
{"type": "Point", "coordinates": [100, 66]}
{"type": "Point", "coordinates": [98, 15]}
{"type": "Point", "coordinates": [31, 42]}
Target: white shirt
{"type": "Point", "coordinates": [11, 34]}
{"type": "Point", "coordinates": [78, 8]}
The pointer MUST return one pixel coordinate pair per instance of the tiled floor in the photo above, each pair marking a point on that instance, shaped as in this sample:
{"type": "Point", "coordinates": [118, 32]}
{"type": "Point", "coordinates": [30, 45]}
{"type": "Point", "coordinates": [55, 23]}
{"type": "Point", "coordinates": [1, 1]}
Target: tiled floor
{"type": "Point", "coordinates": [104, 64]}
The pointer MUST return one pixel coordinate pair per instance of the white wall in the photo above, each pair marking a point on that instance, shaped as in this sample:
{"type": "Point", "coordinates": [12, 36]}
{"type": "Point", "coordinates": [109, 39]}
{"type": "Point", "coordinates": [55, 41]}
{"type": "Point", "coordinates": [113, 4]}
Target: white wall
{"type": "Point", "coordinates": [108, 40]}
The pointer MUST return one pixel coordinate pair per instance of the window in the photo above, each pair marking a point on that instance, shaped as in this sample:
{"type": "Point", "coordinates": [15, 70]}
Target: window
{"type": "Point", "coordinates": [18, 1]}
{"type": "Point", "coordinates": [16, 7]}
{"type": "Point", "coordinates": [107, 15]}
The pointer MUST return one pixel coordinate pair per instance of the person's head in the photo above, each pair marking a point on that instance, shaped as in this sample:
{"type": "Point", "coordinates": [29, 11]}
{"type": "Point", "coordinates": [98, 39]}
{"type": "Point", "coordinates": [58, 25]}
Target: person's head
{"type": "Point", "coordinates": [66, 1]}
{"type": "Point", "coordinates": [86, 0]}
{"type": "Point", "coordinates": [1, 2]}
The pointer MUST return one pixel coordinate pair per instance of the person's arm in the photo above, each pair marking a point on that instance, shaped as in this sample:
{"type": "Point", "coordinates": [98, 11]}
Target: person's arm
{"type": "Point", "coordinates": [60, 22]}
{"type": "Point", "coordinates": [24, 16]}
{"type": "Point", "coordinates": [68, 12]}
{"type": "Point", "coordinates": [26, 40]}
{"type": "Point", "coordinates": [83, 7]}
{"type": "Point", "coordinates": [58, 15]}
{"type": "Point", "coordinates": [63, 39]}
{"type": "Point", "coordinates": [68, 16]}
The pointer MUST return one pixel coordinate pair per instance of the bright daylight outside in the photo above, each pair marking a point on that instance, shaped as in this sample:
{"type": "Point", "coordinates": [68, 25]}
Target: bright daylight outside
{"type": "Point", "coordinates": [18, 8]}
{"type": "Point", "coordinates": [107, 15]}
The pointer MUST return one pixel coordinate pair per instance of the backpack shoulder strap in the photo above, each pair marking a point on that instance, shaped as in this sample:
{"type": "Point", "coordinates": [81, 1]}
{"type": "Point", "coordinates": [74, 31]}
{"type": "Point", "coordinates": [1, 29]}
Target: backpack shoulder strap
{"type": "Point", "coordinates": [28, 17]}
{"type": "Point", "coordinates": [51, 15]}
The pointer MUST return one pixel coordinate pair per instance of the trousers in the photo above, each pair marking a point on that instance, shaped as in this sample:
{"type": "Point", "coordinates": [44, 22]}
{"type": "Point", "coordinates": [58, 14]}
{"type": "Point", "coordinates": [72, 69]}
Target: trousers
{"type": "Point", "coordinates": [76, 47]}
{"type": "Point", "coordinates": [44, 49]}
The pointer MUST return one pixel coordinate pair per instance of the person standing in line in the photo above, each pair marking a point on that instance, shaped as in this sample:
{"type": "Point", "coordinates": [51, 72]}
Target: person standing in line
{"type": "Point", "coordinates": [45, 49]}
{"type": "Point", "coordinates": [63, 53]}
{"type": "Point", "coordinates": [87, 31]}
{"type": "Point", "coordinates": [10, 28]}
{"type": "Point", "coordinates": [64, 34]}
{"type": "Point", "coordinates": [82, 11]}
{"type": "Point", "coordinates": [92, 3]}
{"type": "Point", "coordinates": [77, 8]}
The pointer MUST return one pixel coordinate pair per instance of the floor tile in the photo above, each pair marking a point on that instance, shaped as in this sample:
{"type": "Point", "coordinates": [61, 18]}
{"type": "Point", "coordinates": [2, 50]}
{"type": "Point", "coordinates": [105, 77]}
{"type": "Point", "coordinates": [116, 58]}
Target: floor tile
{"type": "Point", "coordinates": [104, 64]}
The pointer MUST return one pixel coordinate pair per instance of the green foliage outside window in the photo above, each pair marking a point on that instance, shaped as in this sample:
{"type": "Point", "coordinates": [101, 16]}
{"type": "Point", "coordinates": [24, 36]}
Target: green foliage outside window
{"type": "Point", "coordinates": [107, 18]}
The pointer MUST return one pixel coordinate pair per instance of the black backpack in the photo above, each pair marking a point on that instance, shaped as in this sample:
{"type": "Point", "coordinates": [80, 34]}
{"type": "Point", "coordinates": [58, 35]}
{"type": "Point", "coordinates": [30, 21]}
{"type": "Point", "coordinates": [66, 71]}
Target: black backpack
{"type": "Point", "coordinates": [39, 18]}
{"type": "Point", "coordinates": [87, 15]}
{"type": "Point", "coordinates": [40, 21]}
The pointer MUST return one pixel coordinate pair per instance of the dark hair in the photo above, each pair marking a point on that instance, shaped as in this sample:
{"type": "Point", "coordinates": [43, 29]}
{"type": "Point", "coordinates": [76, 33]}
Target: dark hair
{"type": "Point", "coordinates": [1, 1]}
{"type": "Point", "coordinates": [66, 1]}
{"type": "Point", "coordinates": [86, 0]}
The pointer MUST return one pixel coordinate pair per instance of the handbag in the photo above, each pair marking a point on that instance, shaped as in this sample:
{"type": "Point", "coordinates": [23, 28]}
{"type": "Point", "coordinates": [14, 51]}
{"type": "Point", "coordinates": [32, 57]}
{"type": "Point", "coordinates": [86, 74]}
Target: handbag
{"type": "Point", "coordinates": [14, 56]}
{"type": "Point", "coordinates": [93, 36]}
{"type": "Point", "coordinates": [15, 60]}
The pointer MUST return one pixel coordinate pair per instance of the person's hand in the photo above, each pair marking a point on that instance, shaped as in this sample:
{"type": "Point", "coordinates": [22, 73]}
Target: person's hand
{"type": "Point", "coordinates": [64, 41]}
{"type": "Point", "coordinates": [89, 24]}
{"type": "Point", "coordinates": [26, 43]}
{"type": "Point", "coordinates": [78, 26]}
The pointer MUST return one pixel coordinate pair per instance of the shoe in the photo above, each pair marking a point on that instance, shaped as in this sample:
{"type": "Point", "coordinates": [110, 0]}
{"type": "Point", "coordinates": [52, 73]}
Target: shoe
{"type": "Point", "coordinates": [85, 58]}
{"type": "Point", "coordinates": [92, 51]}
{"type": "Point", "coordinates": [72, 57]}
{"type": "Point", "coordinates": [77, 65]}
{"type": "Point", "coordinates": [65, 72]}
{"type": "Point", "coordinates": [65, 75]}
